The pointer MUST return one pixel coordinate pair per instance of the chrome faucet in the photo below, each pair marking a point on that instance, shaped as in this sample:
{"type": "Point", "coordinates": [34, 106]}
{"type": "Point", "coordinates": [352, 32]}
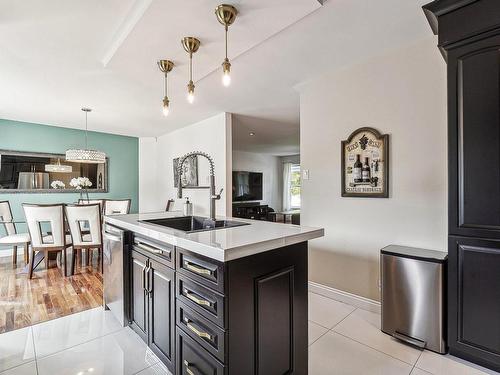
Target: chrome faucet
{"type": "Point", "coordinates": [213, 197]}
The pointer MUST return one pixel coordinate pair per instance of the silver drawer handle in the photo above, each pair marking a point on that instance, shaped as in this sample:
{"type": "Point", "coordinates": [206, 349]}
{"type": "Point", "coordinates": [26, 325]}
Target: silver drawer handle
{"type": "Point", "coordinates": [148, 248]}
{"type": "Point", "coordinates": [198, 270]}
{"type": "Point", "coordinates": [197, 300]}
{"type": "Point", "coordinates": [198, 333]}
{"type": "Point", "coordinates": [187, 364]}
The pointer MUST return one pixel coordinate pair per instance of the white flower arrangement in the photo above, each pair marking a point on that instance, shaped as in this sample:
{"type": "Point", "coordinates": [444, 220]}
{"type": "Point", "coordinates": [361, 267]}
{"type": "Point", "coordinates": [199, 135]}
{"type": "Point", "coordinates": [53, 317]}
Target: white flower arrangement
{"type": "Point", "coordinates": [57, 185]}
{"type": "Point", "coordinates": [80, 183]}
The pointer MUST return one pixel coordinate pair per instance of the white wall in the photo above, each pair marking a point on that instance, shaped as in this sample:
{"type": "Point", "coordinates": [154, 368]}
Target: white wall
{"type": "Point", "coordinates": [403, 94]}
{"type": "Point", "coordinates": [148, 176]}
{"type": "Point", "coordinates": [212, 136]}
{"type": "Point", "coordinates": [272, 173]}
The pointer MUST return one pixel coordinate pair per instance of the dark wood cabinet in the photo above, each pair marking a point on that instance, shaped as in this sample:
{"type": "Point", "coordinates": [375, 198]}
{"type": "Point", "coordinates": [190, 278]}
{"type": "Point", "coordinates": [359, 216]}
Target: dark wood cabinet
{"type": "Point", "coordinates": [469, 39]}
{"type": "Point", "coordinates": [245, 316]}
{"type": "Point", "coordinates": [161, 308]}
{"type": "Point", "coordinates": [474, 318]}
{"type": "Point", "coordinates": [153, 304]}
{"type": "Point", "coordinates": [138, 298]}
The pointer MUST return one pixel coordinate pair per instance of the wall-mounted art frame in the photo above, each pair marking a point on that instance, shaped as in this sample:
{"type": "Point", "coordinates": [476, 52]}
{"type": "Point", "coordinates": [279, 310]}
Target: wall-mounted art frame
{"type": "Point", "coordinates": [189, 172]}
{"type": "Point", "coordinates": [26, 172]}
{"type": "Point", "coordinates": [365, 164]}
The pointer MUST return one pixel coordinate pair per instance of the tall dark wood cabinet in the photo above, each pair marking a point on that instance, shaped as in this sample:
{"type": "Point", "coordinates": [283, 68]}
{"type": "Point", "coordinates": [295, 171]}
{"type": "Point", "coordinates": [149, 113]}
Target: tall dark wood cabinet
{"type": "Point", "coordinates": [469, 39]}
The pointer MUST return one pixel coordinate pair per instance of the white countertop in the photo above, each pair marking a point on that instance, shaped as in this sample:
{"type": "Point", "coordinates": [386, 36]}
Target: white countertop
{"type": "Point", "coordinates": [223, 244]}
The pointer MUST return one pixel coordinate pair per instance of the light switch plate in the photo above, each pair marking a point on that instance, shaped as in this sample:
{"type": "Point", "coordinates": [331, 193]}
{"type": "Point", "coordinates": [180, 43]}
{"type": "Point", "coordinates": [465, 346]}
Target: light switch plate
{"type": "Point", "coordinates": [305, 174]}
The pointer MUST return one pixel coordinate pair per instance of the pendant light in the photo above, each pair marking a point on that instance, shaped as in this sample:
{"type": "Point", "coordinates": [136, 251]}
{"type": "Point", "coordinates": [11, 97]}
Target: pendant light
{"type": "Point", "coordinates": [226, 15]}
{"type": "Point", "coordinates": [166, 67]}
{"type": "Point", "coordinates": [58, 167]}
{"type": "Point", "coordinates": [86, 155]}
{"type": "Point", "coordinates": [191, 45]}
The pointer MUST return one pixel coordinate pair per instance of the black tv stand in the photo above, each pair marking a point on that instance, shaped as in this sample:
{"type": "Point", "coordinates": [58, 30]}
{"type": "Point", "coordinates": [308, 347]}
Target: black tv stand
{"type": "Point", "coordinates": [250, 210]}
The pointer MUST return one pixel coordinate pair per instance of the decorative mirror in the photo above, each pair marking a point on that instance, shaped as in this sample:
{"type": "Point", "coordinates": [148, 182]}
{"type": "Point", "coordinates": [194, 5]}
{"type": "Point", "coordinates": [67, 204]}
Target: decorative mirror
{"type": "Point", "coordinates": [31, 172]}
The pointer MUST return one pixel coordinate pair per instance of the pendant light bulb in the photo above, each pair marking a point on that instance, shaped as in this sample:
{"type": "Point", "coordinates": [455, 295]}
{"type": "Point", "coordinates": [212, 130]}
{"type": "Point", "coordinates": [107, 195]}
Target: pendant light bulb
{"type": "Point", "coordinates": [190, 96]}
{"type": "Point", "coordinates": [226, 76]}
{"type": "Point", "coordinates": [191, 45]}
{"type": "Point", "coordinates": [226, 15]}
{"type": "Point", "coordinates": [166, 106]}
{"type": "Point", "coordinates": [166, 67]}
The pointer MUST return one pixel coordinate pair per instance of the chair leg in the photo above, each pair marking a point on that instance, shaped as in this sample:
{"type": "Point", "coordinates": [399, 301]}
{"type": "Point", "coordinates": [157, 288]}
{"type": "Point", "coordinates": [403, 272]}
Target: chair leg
{"type": "Point", "coordinates": [65, 271]}
{"type": "Point", "coordinates": [101, 256]}
{"type": "Point", "coordinates": [30, 265]}
{"type": "Point", "coordinates": [26, 252]}
{"type": "Point", "coordinates": [73, 261]}
{"type": "Point", "coordinates": [46, 258]}
{"type": "Point", "coordinates": [14, 255]}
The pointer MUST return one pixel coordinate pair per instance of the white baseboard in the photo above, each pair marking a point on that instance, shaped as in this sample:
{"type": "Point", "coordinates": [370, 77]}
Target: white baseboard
{"type": "Point", "coordinates": [346, 297]}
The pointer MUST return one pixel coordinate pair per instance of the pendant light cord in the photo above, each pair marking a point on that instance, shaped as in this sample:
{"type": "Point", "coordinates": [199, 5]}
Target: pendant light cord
{"type": "Point", "coordinates": [226, 42]}
{"type": "Point", "coordinates": [190, 66]}
{"type": "Point", "coordinates": [86, 130]}
{"type": "Point", "coordinates": [166, 92]}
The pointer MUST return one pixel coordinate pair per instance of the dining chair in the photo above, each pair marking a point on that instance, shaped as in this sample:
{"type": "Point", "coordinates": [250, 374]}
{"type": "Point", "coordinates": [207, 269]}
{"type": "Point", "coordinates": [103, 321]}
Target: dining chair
{"type": "Point", "coordinates": [39, 216]}
{"type": "Point", "coordinates": [12, 238]}
{"type": "Point", "coordinates": [86, 216]}
{"type": "Point", "coordinates": [116, 206]}
{"type": "Point", "coordinates": [92, 201]}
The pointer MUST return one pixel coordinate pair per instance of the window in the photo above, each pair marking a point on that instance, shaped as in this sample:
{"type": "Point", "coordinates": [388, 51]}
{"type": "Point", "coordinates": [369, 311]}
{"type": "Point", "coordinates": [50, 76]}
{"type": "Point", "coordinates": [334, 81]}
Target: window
{"type": "Point", "coordinates": [295, 186]}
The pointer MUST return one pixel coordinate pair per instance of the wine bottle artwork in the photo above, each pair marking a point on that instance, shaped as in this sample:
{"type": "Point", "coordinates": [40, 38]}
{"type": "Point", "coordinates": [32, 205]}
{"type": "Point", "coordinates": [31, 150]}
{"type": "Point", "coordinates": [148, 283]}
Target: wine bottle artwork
{"type": "Point", "coordinates": [365, 164]}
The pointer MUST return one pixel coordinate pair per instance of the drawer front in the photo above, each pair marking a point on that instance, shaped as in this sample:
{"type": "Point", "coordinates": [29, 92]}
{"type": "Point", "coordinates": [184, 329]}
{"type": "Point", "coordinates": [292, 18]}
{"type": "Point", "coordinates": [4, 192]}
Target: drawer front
{"type": "Point", "coordinates": [162, 252]}
{"type": "Point", "coordinates": [192, 359]}
{"type": "Point", "coordinates": [207, 302]}
{"type": "Point", "coordinates": [204, 270]}
{"type": "Point", "coordinates": [201, 330]}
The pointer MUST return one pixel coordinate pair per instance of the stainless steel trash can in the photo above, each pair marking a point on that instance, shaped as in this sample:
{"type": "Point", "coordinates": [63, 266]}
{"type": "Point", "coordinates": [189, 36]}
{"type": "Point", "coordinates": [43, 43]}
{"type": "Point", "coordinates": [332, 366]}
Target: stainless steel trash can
{"type": "Point", "coordinates": [413, 295]}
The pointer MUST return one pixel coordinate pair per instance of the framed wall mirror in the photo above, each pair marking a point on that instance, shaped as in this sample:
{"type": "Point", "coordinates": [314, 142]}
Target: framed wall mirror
{"type": "Point", "coordinates": [32, 172]}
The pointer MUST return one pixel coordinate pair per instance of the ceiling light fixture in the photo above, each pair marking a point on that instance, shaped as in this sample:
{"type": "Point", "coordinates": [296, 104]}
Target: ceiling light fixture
{"type": "Point", "coordinates": [86, 155]}
{"type": "Point", "coordinates": [191, 45]}
{"type": "Point", "coordinates": [166, 67]}
{"type": "Point", "coordinates": [251, 134]}
{"type": "Point", "coordinates": [226, 14]}
{"type": "Point", "coordinates": [58, 167]}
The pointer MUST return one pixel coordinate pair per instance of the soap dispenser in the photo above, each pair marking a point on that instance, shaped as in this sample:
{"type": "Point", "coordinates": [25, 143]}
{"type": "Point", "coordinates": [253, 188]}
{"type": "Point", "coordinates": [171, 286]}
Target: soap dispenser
{"type": "Point", "coordinates": [188, 208]}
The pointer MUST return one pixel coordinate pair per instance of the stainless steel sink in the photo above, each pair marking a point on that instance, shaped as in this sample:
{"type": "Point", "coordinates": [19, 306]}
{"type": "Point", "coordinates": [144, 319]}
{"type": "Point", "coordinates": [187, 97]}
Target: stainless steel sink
{"type": "Point", "coordinates": [191, 224]}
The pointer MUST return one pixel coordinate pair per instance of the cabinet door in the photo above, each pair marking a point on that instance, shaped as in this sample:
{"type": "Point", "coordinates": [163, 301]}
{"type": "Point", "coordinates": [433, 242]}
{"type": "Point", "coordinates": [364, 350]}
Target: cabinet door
{"type": "Point", "coordinates": [474, 300]}
{"type": "Point", "coordinates": [161, 292]}
{"type": "Point", "coordinates": [138, 295]}
{"type": "Point", "coordinates": [474, 143]}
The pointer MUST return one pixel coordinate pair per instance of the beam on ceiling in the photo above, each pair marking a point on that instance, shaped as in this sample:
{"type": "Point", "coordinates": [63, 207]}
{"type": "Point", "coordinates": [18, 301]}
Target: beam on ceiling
{"type": "Point", "coordinates": [137, 10]}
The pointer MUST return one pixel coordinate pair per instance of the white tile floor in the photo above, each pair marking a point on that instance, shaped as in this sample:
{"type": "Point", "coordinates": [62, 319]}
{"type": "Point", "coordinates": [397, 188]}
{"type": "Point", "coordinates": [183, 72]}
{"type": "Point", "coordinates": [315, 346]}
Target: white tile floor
{"type": "Point", "coordinates": [343, 340]}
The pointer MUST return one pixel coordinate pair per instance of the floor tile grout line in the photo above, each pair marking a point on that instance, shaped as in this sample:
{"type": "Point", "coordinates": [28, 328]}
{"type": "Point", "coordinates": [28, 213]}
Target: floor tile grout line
{"type": "Point", "coordinates": [324, 333]}
{"type": "Point", "coordinates": [81, 343]}
{"type": "Point", "coordinates": [34, 349]}
{"type": "Point", "coordinates": [345, 317]}
{"type": "Point", "coordinates": [377, 350]}
{"type": "Point", "coordinates": [16, 366]}
{"type": "Point", "coordinates": [415, 365]}
{"type": "Point", "coordinates": [329, 329]}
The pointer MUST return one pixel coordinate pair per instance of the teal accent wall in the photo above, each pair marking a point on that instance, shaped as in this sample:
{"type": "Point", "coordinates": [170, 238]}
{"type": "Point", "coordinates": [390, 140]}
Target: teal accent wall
{"type": "Point", "coordinates": [122, 152]}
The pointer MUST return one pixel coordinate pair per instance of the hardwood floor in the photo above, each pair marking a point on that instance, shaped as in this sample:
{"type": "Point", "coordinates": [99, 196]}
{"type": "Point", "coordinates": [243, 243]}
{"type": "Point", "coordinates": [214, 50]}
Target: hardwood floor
{"type": "Point", "coordinates": [47, 296]}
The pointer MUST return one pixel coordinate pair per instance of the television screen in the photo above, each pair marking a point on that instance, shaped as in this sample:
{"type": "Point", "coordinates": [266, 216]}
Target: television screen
{"type": "Point", "coordinates": [247, 186]}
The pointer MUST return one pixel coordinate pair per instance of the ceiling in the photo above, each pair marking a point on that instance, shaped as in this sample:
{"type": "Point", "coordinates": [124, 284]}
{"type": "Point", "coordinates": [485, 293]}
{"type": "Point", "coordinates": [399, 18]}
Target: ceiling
{"type": "Point", "coordinates": [60, 55]}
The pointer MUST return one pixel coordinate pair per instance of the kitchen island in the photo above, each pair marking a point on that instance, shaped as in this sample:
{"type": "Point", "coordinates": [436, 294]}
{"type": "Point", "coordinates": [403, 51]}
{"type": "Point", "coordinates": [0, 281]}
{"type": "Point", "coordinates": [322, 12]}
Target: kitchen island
{"type": "Point", "coordinates": [224, 297]}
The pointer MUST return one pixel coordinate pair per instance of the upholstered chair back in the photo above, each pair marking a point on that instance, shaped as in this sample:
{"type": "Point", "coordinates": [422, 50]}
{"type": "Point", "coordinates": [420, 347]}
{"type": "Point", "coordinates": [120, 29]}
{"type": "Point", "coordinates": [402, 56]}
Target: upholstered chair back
{"type": "Point", "coordinates": [92, 201]}
{"type": "Point", "coordinates": [86, 216]}
{"type": "Point", "coordinates": [49, 218]}
{"type": "Point", "coordinates": [6, 215]}
{"type": "Point", "coordinates": [116, 207]}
